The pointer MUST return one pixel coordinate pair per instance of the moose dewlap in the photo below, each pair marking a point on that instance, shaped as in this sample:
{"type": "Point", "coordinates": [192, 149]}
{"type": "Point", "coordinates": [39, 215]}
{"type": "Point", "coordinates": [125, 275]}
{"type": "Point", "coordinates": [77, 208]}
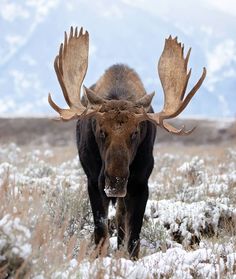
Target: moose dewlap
{"type": "Point", "coordinates": [116, 130]}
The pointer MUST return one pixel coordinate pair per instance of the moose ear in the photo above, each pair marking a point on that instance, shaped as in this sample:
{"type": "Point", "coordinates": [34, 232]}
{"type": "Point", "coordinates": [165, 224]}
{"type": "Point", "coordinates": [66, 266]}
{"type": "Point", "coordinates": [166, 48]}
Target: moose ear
{"type": "Point", "coordinates": [92, 98]}
{"type": "Point", "coordinates": [145, 101]}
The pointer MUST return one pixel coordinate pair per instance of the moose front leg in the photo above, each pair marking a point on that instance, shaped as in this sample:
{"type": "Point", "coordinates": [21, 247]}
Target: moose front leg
{"type": "Point", "coordinates": [120, 222]}
{"type": "Point", "coordinates": [99, 206]}
{"type": "Point", "coordinates": [135, 206]}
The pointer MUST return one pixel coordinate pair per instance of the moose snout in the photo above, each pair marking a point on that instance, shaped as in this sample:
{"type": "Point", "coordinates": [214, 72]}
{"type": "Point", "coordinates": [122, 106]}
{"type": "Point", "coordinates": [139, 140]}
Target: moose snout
{"type": "Point", "coordinates": [115, 186]}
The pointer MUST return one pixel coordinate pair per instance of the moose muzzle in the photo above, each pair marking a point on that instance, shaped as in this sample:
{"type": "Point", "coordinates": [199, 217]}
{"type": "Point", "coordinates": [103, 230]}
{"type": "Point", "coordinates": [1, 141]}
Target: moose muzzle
{"type": "Point", "coordinates": [115, 186]}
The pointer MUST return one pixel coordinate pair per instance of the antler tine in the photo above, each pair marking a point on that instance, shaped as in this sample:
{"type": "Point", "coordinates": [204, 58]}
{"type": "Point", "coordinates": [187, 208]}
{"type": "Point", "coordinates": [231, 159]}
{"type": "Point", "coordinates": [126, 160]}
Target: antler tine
{"type": "Point", "coordinates": [76, 31]}
{"type": "Point", "coordinates": [65, 42]}
{"type": "Point", "coordinates": [168, 127]}
{"type": "Point", "coordinates": [191, 93]}
{"type": "Point", "coordinates": [172, 69]}
{"type": "Point", "coordinates": [187, 57]}
{"type": "Point", "coordinates": [65, 114]}
{"type": "Point", "coordinates": [59, 73]}
{"type": "Point", "coordinates": [71, 66]}
{"type": "Point", "coordinates": [186, 84]}
{"type": "Point", "coordinates": [71, 32]}
{"type": "Point", "coordinates": [59, 59]}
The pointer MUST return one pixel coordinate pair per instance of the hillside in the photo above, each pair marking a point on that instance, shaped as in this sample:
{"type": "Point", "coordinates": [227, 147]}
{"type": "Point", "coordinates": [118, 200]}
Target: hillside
{"type": "Point", "coordinates": [48, 132]}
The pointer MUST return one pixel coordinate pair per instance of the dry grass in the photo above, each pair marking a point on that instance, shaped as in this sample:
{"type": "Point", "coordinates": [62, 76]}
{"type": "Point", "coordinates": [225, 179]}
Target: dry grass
{"type": "Point", "coordinates": [53, 217]}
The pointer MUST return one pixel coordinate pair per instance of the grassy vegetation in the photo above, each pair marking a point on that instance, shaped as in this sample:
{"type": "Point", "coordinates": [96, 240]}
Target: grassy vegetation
{"type": "Point", "coordinates": [46, 224]}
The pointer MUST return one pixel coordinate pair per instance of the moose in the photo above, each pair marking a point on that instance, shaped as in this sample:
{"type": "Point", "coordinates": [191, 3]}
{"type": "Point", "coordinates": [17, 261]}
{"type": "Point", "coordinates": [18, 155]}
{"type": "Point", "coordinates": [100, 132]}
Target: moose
{"type": "Point", "coordinates": [116, 130]}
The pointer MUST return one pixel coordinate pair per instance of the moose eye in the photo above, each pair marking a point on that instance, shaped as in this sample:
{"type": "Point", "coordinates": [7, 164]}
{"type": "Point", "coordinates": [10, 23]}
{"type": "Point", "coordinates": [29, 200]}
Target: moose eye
{"type": "Point", "coordinates": [134, 135]}
{"type": "Point", "coordinates": [102, 134]}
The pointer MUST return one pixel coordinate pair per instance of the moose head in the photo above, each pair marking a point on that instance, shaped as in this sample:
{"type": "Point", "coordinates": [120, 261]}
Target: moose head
{"type": "Point", "coordinates": [117, 123]}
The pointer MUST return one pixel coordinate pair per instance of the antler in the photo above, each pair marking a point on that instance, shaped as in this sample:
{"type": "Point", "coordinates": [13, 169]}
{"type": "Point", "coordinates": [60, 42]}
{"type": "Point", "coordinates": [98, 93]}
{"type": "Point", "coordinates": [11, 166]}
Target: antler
{"type": "Point", "coordinates": [172, 69]}
{"type": "Point", "coordinates": [71, 66]}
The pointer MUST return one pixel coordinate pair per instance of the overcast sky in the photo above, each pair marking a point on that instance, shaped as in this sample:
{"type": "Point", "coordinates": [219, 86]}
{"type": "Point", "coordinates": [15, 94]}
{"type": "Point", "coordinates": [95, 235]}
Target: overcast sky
{"type": "Point", "coordinates": [126, 31]}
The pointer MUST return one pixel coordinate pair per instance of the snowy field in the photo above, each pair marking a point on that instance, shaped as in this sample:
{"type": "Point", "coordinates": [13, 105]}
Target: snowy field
{"type": "Point", "coordinates": [189, 229]}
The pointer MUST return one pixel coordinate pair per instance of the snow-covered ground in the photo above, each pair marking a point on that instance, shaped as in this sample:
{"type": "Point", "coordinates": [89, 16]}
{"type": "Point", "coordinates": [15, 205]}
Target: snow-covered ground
{"type": "Point", "coordinates": [189, 228]}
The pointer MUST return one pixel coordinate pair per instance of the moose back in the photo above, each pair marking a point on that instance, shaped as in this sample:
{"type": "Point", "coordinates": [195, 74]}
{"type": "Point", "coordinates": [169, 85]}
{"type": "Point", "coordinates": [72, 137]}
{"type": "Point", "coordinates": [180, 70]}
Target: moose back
{"type": "Point", "coordinates": [116, 130]}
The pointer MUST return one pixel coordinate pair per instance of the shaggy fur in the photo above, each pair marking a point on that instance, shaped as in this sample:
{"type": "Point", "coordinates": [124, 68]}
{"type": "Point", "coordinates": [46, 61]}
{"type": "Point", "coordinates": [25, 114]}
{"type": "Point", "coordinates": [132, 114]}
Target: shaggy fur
{"type": "Point", "coordinates": [115, 150]}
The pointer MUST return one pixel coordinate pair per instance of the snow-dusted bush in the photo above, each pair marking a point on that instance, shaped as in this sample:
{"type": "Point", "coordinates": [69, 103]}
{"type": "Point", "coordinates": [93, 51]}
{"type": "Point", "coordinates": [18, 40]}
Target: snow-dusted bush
{"type": "Point", "coordinates": [187, 223]}
{"type": "Point", "coordinates": [46, 222]}
{"type": "Point", "coordinates": [193, 170]}
{"type": "Point", "coordinates": [15, 246]}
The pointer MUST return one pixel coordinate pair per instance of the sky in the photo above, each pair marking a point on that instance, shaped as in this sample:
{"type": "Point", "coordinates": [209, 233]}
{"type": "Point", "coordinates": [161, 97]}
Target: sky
{"type": "Point", "coordinates": [125, 31]}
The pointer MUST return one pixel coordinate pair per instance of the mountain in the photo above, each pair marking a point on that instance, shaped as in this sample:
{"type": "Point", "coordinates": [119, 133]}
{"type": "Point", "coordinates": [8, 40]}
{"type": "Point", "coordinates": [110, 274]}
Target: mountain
{"type": "Point", "coordinates": [130, 32]}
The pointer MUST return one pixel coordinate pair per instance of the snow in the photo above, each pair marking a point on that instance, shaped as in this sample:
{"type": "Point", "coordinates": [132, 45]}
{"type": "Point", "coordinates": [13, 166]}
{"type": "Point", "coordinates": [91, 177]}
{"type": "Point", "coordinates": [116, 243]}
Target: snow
{"type": "Point", "coordinates": [189, 221]}
{"type": "Point", "coordinates": [18, 234]}
{"type": "Point", "coordinates": [176, 263]}
{"type": "Point", "coordinates": [190, 204]}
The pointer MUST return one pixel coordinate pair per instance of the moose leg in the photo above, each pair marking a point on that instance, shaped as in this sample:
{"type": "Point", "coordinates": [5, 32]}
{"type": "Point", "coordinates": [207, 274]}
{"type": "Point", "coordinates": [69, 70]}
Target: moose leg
{"type": "Point", "coordinates": [135, 210]}
{"type": "Point", "coordinates": [120, 222]}
{"type": "Point", "coordinates": [99, 206]}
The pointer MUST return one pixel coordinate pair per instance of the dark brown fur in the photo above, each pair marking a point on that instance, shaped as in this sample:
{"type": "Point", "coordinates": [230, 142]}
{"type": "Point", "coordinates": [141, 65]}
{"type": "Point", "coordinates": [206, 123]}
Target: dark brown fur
{"type": "Point", "coordinates": [115, 149]}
